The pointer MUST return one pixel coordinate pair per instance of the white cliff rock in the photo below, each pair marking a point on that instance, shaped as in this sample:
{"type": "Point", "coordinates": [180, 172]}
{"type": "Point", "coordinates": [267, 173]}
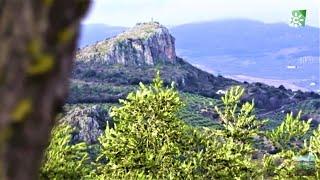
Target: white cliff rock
{"type": "Point", "coordinates": [144, 44]}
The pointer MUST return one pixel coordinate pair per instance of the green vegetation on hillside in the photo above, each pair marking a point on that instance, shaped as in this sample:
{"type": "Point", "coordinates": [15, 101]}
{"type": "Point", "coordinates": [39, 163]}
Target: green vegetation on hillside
{"type": "Point", "coordinates": [198, 111]}
{"type": "Point", "coordinates": [151, 141]}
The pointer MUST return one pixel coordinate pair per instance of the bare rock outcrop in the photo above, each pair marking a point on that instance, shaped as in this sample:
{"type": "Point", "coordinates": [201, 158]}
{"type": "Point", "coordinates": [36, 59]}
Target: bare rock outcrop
{"type": "Point", "coordinates": [89, 123]}
{"type": "Point", "coordinates": [144, 44]}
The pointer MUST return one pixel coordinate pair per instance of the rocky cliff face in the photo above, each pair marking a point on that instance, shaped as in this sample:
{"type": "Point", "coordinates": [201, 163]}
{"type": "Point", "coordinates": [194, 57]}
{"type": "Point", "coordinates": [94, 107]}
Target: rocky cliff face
{"type": "Point", "coordinates": [144, 44]}
{"type": "Point", "coordinates": [89, 123]}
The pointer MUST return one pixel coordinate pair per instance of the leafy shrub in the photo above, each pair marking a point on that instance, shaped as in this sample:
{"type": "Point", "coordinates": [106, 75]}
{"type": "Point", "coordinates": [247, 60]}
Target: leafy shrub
{"type": "Point", "coordinates": [315, 143]}
{"type": "Point", "coordinates": [149, 141]}
{"type": "Point", "coordinates": [292, 129]}
{"type": "Point", "coordinates": [62, 159]}
{"type": "Point", "coordinates": [314, 148]}
{"type": "Point", "coordinates": [147, 134]}
{"type": "Point", "coordinates": [239, 123]}
{"type": "Point", "coordinates": [286, 137]}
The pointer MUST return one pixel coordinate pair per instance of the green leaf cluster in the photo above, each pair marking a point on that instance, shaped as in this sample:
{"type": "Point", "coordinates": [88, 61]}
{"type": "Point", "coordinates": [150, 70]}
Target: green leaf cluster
{"type": "Point", "coordinates": [314, 148]}
{"type": "Point", "coordinates": [291, 130]}
{"type": "Point", "coordinates": [64, 160]}
{"type": "Point", "coordinates": [239, 121]}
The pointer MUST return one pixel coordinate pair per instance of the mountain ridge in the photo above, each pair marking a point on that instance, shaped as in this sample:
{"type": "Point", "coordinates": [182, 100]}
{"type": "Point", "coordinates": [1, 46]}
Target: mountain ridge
{"type": "Point", "coordinates": [127, 67]}
{"type": "Point", "coordinates": [234, 47]}
{"type": "Point", "coordinates": [234, 23]}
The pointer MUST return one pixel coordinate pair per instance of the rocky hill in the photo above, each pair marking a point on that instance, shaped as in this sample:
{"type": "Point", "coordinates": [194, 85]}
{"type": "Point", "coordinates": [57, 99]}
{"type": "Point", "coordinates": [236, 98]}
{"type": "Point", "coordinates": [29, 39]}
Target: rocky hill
{"type": "Point", "coordinates": [262, 53]}
{"type": "Point", "coordinates": [108, 70]}
{"type": "Point", "coordinates": [144, 44]}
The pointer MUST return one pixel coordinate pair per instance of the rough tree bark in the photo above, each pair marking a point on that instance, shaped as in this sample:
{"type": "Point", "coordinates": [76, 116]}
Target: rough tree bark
{"type": "Point", "coordinates": [37, 42]}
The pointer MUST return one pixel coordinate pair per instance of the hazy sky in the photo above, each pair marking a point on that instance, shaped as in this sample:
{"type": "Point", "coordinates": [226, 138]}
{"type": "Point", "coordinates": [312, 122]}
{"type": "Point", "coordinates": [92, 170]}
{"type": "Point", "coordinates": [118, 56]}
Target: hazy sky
{"type": "Point", "coordinates": [174, 12]}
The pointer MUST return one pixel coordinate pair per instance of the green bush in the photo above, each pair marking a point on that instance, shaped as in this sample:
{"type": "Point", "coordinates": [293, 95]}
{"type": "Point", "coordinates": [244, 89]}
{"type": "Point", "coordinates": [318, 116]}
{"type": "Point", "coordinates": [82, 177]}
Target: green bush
{"type": "Point", "coordinates": [147, 133]}
{"type": "Point", "coordinates": [62, 159]}
{"type": "Point", "coordinates": [291, 130]}
{"type": "Point", "coordinates": [239, 122]}
{"type": "Point", "coordinates": [150, 141]}
{"type": "Point", "coordinates": [287, 137]}
{"type": "Point", "coordinates": [314, 148]}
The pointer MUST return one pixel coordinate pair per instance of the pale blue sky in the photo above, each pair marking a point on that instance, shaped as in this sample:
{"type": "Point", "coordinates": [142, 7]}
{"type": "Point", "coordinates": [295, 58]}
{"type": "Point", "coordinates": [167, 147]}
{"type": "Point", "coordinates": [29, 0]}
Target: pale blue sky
{"type": "Point", "coordinates": [175, 12]}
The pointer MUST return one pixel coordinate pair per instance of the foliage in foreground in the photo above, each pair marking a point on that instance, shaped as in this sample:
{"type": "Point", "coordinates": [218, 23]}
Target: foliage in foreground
{"type": "Point", "coordinates": [62, 159]}
{"type": "Point", "coordinates": [239, 122]}
{"type": "Point", "coordinates": [149, 141]}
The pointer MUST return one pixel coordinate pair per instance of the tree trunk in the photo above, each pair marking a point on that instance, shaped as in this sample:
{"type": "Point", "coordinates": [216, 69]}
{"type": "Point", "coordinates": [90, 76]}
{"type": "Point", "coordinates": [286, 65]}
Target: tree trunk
{"type": "Point", "coordinates": [37, 43]}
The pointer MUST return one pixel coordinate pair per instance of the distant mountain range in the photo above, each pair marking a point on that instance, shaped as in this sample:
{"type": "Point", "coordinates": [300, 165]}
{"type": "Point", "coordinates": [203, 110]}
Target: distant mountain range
{"type": "Point", "coordinates": [246, 38]}
{"type": "Point", "coordinates": [242, 48]}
